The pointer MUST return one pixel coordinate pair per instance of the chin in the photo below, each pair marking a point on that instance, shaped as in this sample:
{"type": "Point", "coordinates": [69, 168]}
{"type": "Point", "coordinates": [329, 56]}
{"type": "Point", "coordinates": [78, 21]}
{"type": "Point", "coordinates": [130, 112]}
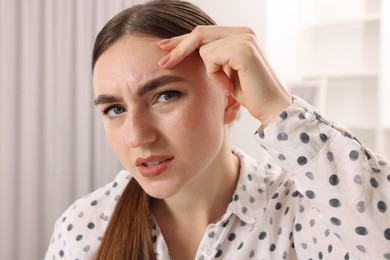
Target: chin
{"type": "Point", "coordinates": [159, 192]}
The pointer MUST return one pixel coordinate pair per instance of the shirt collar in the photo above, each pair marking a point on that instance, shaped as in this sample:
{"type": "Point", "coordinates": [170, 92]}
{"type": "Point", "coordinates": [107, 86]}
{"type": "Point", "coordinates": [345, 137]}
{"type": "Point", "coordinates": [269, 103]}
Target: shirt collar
{"type": "Point", "coordinates": [250, 197]}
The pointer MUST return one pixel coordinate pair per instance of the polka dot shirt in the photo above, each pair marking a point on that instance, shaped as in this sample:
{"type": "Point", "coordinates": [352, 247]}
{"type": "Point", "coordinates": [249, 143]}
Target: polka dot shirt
{"type": "Point", "coordinates": [326, 197]}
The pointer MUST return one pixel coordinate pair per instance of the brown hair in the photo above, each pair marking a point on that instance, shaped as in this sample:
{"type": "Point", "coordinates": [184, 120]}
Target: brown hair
{"type": "Point", "coordinates": [128, 235]}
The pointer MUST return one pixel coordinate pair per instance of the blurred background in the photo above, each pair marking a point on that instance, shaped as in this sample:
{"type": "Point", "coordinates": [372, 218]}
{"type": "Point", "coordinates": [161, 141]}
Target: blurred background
{"type": "Point", "coordinates": [52, 146]}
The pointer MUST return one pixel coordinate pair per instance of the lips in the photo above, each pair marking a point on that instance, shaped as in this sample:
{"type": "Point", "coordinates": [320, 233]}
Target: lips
{"type": "Point", "coordinates": [153, 165]}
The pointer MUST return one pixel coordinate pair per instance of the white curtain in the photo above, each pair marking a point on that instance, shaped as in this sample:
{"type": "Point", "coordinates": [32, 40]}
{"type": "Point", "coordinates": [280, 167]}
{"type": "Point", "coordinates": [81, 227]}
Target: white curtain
{"type": "Point", "coordinates": [52, 146]}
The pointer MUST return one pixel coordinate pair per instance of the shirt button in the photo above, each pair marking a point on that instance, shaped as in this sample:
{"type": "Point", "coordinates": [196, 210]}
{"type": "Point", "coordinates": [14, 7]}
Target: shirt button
{"type": "Point", "coordinates": [207, 252]}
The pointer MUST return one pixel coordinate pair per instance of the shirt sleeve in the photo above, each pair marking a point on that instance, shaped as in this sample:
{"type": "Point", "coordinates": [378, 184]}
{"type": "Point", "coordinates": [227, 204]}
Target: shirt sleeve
{"type": "Point", "coordinates": [344, 181]}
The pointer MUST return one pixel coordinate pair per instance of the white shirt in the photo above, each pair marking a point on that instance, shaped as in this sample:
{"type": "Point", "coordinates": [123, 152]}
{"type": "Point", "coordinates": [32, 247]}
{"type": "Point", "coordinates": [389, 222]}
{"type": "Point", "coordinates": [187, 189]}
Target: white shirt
{"type": "Point", "coordinates": [328, 199]}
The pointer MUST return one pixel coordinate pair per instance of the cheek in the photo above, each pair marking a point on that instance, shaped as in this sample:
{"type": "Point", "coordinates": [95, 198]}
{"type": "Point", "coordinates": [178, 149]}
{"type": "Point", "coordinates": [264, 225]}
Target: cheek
{"type": "Point", "coordinates": [199, 127]}
{"type": "Point", "coordinates": [116, 140]}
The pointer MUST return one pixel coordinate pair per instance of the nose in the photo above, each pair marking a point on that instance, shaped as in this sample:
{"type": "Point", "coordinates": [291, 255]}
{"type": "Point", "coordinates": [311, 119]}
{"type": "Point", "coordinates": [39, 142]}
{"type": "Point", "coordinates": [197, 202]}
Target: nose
{"type": "Point", "coordinates": [139, 129]}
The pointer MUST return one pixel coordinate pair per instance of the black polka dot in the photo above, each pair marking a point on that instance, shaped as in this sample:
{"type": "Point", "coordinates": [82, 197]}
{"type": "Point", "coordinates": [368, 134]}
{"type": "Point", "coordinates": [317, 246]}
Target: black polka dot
{"type": "Point", "coordinates": [320, 255]}
{"type": "Point", "coordinates": [261, 134]}
{"type": "Point", "coordinates": [382, 207]}
{"type": "Point", "coordinates": [357, 179]}
{"type": "Point", "coordinates": [154, 239]}
{"type": "Point", "coordinates": [275, 195]}
{"type": "Point", "coordinates": [309, 175]}
{"type": "Point", "coordinates": [310, 194]}
{"type": "Point", "coordinates": [251, 254]}
{"type": "Point", "coordinates": [240, 245]}
{"type": "Point", "coordinates": [211, 234]}
{"type": "Point", "coordinates": [387, 233]}
{"type": "Point", "coordinates": [361, 231]}
{"type": "Point", "coordinates": [335, 221]}
{"type": "Point", "coordinates": [286, 211]}
{"type": "Point", "coordinates": [282, 137]}
{"type": "Point", "coordinates": [70, 227]}
{"type": "Point", "coordinates": [94, 203]}
{"type": "Point", "coordinates": [312, 222]}
{"type": "Point", "coordinates": [281, 157]}
{"type": "Point", "coordinates": [388, 177]}
{"type": "Point", "coordinates": [374, 183]}
{"type": "Point", "coordinates": [334, 203]}
{"type": "Point", "coordinates": [302, 160]}
{"type": "Point", "coordinates": [346, 257]}
{"type": "Point", "coordinates": [231, 237]}
{"type": "Point", "coordinates": [218, 254]}
{"type": "Point", "coordinates": [295, 194]}
{"type": "Point", "coordinates": [298, 227]}
{"type": "Point", "coordinates": [361, 248]}
{"type": "Point", "coordinates": [334, 180]}
{"type": "Point", "coordinates": [244, 210]}
{"type": "Point", "coordinates": [272, 247]}
{"type": "Point", "coordinates": [262, 235]}
{"type": "Point", "coordinates": [387, 256]}
{"type": "Point", "coordinates": [361, 206]}
{"type": "Point", "coordinates": [375, 170]}
{"type": "Point", "coordinates": [354, 155]}
{"type": "Point", "coordinates": [79, 237]}
{"type": "Point", "coordinates": [226, 222]}
{"type": "Point", "coordinates": [91, 225]}
{"type": "Point", "coordinates": [278, 206]}
{"type": "Point", "coordinates": [323, 137]}
{"type": "Point", "coordinates": [330, 248]}
{"type": "Point", "coordinates": [304, 245]}
{"type": "Point", "coordinates": [302, 116]}
{"type": "Point", "coordinates": [330, 157]}
{"type": "Point", "coordinates": [115, 184]}
{"type": "Point", "coordinates": [305, 138]}
{"type": "Point", "coordinates": [284, 115]}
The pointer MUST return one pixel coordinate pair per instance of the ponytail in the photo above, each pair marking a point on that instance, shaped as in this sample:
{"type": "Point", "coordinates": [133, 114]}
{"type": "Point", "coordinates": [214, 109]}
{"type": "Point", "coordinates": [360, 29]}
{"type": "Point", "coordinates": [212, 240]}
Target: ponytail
{"type": "Point", "coordinates": [129, 232]}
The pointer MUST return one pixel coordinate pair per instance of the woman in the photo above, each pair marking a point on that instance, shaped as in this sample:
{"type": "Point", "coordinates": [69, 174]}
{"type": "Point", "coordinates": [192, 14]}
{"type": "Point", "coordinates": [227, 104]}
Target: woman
{"type": "Point", "coordinates": [168, 82]}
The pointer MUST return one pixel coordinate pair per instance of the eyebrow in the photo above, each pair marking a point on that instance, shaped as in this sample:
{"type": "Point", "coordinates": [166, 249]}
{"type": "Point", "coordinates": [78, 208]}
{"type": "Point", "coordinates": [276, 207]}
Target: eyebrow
{"type": "Point", "coordinates": [147, 87]}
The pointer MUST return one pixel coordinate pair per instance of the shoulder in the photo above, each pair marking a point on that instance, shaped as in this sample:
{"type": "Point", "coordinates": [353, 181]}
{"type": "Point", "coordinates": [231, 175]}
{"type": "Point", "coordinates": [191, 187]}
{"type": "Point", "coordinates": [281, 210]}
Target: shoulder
{"type": "Point", "coordinates": [80, 228]}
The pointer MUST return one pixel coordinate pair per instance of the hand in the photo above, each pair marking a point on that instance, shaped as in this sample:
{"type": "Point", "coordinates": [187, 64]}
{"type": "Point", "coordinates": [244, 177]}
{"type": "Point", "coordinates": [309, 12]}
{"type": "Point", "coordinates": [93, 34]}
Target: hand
{"type": "Point", "coordinates": [233, 58]}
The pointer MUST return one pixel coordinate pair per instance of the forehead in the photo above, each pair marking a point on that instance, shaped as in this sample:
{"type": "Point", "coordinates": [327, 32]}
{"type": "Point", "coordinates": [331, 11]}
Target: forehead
{"type": "Point", "coordinates": [133, 56]}
{"type": "Point", "coordinates": [132, 61]}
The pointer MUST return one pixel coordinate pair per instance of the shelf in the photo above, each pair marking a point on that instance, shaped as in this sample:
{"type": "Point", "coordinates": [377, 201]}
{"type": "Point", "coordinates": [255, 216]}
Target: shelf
{"type": "Point", "coordinates": [340, 75]}
{"type": "Point", "coordinates": [344, 22]}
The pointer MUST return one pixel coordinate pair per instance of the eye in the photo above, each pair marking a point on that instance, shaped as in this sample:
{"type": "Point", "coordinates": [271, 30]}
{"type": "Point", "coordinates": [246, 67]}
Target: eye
{"type": "Point", "coordinates": [113, 111]}
{"type": "Point", "coordinates": [168, 96]}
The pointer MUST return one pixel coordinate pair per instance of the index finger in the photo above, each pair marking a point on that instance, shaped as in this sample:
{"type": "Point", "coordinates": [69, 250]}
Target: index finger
{"type": "Point", "coordinates": [181, 46]}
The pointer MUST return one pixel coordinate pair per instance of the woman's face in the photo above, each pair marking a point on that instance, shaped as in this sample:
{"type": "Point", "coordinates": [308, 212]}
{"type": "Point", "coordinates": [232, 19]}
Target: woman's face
{"type": "Point", "coordinates": [167, 127]}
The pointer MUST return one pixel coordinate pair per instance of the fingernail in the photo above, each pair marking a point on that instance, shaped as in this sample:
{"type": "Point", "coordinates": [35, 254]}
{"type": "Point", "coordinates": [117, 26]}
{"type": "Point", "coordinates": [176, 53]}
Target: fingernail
{"type": "Point", "coordinates": [164, 59]}
{"type": "Point", "coordinates": [163, 41]}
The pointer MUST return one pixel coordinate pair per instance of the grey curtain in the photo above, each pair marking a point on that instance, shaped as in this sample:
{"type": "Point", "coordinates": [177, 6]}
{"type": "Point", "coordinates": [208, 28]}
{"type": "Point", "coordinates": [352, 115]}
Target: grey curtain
{"type": "Point", "coordinates": [52, 146]}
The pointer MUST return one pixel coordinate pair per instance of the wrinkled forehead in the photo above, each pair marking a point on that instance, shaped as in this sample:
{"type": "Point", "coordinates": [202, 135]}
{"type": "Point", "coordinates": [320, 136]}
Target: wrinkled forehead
{"type": "Point", "coordinates": [133, 60]}
{"type": "Point", "coordinates": [133, 57]}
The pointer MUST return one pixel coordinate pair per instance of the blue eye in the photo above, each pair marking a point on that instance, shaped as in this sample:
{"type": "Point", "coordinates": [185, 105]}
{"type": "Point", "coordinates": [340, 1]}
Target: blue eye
{"type": "Point", "coordinates": [113, 111]}
{"type": "Point", "coordinates": [168, 96]}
